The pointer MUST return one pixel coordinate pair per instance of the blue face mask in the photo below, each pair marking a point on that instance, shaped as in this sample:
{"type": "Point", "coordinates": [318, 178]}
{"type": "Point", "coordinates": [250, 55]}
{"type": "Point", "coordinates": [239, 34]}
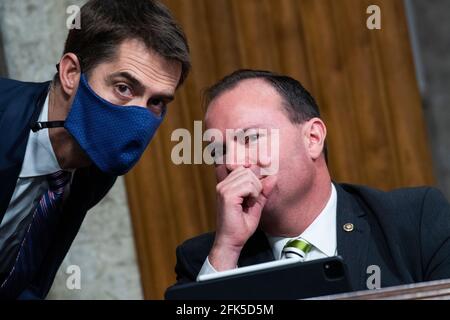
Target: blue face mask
{"type": "Point", "coordinates": [114, 137]}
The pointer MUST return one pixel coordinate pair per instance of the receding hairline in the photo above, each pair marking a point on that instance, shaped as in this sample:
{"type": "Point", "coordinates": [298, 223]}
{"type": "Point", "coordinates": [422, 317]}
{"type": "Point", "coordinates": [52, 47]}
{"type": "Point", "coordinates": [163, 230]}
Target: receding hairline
{"type": "Point", "coordinates": [242, 82]}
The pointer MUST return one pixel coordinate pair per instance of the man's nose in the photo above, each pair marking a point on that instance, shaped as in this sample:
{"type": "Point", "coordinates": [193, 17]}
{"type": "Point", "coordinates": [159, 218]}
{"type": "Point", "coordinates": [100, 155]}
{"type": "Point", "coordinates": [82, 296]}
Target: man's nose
{"type": "Point", "coordinates": [238, 156]}
{"type": "Point", "coordinates": [232, 163]}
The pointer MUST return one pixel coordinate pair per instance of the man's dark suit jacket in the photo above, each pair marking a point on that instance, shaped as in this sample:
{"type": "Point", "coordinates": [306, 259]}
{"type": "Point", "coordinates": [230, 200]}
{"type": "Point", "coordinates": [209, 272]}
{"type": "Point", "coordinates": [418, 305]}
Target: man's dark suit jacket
{"type": "Point", "coordinates": [20, 106]}
{"type": "Point", "coordinates": [405, 232]}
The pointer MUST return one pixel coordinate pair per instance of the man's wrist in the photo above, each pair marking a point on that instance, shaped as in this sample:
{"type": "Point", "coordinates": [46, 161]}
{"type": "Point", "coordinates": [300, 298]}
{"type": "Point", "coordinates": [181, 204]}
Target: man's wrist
{"type": "Point", "coordinates": [224, 258]}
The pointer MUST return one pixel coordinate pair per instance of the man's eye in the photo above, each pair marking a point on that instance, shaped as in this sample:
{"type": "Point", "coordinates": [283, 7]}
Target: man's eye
{"type": "Point", "coordinates": [251, 138]}
{"type": "Point", "coordinates": [218, 152]}
{"type": "Point", "coordinates": [156, 102]}
{"type": "Point", "coordinates": [157, 106]}
{"type": "Point", "coordinates": [124, 90]}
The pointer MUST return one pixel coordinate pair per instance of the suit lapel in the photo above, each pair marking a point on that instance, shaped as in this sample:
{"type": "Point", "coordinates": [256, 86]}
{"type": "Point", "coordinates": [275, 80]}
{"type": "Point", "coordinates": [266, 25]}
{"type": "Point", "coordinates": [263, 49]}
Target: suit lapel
{"type": "Point", "coordinates": [353, 233]}
{"type": "Point", "coordinates": [14, 141]}
{"type": "Point", "coordinates": [256, 250]}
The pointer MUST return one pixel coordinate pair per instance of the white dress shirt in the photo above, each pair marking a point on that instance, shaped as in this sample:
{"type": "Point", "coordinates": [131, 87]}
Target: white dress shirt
{"type": "Point", "coordinates": [321, 234]}
{"type": "Point", "coordinates": [39, 161]}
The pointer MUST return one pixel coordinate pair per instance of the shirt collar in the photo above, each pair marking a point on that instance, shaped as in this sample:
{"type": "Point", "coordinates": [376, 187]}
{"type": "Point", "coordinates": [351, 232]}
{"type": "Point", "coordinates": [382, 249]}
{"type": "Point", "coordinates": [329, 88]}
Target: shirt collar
{"type": "Point", "coordinates": [321, 233]}
{"type": "Point", "coordinates": [40, 159]}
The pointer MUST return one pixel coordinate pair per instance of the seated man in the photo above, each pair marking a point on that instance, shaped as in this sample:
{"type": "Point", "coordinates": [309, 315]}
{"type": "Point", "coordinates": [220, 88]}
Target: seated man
{"type": "Point", "coordinates": [405, 232]}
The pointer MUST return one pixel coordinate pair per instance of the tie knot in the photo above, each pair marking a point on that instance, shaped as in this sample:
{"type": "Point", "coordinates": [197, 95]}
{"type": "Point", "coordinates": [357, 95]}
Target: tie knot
{"type": "Point", "coordinates": [297, 248]}
{"type": "Point", "coordinates": [58, 180]}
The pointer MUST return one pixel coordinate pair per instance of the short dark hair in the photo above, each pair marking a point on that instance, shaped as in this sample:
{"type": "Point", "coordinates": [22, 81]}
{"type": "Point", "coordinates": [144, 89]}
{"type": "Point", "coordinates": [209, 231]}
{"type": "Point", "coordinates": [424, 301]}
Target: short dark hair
{"type": "Point", "coordinates": [297, 101]}
{"type": "Point", "coordinates": [105, 24]}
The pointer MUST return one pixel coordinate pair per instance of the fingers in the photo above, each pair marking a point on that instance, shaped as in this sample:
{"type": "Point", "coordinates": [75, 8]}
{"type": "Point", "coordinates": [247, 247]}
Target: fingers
{"type": "Point", "coordinates": [239, 207]}
{"type": "Point", "coordinates": [239, 174]}
{"type": "Point", "coordinates": [243, 179]}
{"type": "Point", "coordinates": [240, 189]}
{"type": "Point", "coordinates": [241, 182]}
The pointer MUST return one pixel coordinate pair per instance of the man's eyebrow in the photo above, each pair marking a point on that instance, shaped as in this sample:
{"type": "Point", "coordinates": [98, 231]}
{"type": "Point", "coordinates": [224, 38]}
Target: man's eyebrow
{"type": "Point", "coordinates": [252, 127]}
{"type": "Point", "coordinates": [135, 82]}
{"type": "Point", "coordinates": [168, 97]}
{"type": "Point", "coordinates": [165, 97]}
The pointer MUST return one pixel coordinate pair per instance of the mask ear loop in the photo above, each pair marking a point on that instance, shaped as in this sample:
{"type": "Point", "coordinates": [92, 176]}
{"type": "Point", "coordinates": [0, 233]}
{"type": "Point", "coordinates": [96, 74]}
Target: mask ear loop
{"type": "Point", "coordinates": [35, 127]}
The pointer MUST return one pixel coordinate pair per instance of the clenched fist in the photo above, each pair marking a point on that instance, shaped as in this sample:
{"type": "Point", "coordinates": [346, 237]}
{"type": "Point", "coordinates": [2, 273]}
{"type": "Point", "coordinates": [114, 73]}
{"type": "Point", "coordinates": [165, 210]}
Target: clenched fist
{"type": "Point", "coordinates": [241, 197]}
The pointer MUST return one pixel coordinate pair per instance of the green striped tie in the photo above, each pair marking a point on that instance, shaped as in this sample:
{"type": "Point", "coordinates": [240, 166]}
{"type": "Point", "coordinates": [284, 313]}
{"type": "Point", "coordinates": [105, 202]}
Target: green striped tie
{"type": "Point", "coordinates": [297, 248]}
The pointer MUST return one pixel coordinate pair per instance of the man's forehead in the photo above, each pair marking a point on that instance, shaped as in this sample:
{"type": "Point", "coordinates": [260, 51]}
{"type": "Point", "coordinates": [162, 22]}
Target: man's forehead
{"type": "Point", "coordinates": [248, 88]}
{"type": "Point", "coordinates": [146, 65]}
{"type": "Point", "coordinates": [243, 104]}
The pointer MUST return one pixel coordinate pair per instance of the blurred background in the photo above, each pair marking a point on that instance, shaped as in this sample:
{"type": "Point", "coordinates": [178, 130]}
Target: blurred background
{"type": "Point", "coordinates": [384, 95]}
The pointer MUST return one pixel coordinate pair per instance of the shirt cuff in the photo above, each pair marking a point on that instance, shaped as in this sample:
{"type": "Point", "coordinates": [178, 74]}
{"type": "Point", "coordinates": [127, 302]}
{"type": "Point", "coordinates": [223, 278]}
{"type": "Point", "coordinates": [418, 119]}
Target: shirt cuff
{"type": "Point", "coordinates": [207, 268]}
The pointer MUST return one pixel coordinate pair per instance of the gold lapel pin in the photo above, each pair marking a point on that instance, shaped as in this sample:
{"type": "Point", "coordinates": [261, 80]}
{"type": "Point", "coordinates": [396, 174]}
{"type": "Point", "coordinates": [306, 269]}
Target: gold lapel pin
{"type": "Point", "coordinates": [348, 227]}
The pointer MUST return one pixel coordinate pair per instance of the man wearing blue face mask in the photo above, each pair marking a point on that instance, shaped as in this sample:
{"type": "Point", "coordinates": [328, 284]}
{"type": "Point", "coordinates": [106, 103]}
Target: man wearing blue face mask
{"type": "Point", "coordinates": [63, 143]}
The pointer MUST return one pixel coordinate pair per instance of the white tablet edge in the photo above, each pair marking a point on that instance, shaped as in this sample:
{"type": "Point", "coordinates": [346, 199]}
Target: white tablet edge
{"type": "Point", "coordinates": [255, 267]}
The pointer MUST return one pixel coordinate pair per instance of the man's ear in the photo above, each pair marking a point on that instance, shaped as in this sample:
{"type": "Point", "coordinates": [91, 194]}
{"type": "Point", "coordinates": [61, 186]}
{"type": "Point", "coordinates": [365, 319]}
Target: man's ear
{"type": "Point", "coordinates": [69, 73]}
{"type": "Point", "coordinates": [316, 132]}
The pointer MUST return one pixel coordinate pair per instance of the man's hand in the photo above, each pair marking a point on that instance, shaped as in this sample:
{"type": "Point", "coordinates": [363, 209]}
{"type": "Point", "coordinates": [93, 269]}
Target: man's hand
{"type": "Point", "coordinates": [241, 197]}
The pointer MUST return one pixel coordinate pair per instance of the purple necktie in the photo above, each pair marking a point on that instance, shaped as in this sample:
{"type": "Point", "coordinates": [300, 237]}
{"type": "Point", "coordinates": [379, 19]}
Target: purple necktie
{"type": "Point", "coordinates": [37, 238]}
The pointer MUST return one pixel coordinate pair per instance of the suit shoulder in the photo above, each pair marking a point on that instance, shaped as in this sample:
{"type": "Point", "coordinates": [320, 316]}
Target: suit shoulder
{"type": "Point", "coordinates": [14, 93]}
{"type": "Point", "coordinates": [9, 84]}
{"type": "Point", "coordinates": [398, 206]}
{"type": "Point", "coordinates": [401, 214]}
{"type": "Point", "coordinates": [202, 241]}
{"type": "Point", "coordinates": [196, 249]}
{"type": "Point", "coordinates": [5, 82]}
{"type": "Point", "coordinates": [191, 255]}
{"type": "Point", "coordinates": [14, 88]}
{"type": "Point", "coordinates": [410, 197]}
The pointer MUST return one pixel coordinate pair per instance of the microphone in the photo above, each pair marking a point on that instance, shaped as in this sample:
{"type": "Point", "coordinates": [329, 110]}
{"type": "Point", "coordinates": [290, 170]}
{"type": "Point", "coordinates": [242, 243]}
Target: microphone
{"type": "Point", "coordinates": [35, 127]}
